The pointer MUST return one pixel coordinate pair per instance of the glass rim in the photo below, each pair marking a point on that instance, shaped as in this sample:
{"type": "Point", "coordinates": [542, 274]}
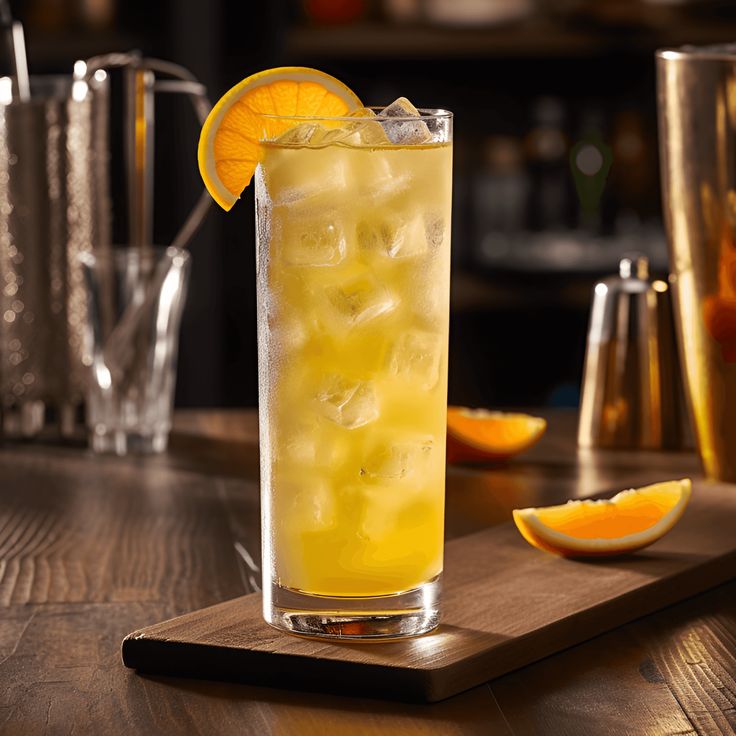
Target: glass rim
{"type": "Point", "coordinates": [710, 52]}
{"type": "Point", "coordinates": [425, 113]}
{"type": "Point", "coordinates": [117, 253]}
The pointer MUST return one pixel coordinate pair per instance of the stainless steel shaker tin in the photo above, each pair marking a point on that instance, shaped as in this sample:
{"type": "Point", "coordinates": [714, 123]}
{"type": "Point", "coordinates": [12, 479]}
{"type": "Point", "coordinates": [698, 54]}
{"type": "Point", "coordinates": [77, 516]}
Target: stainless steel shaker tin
{"type": "Point", "coordinates": [632, 393]}
{"type": "Point", "coordinates": [54, 205]}
{"type": "Point", "coordinates": [696, 104]}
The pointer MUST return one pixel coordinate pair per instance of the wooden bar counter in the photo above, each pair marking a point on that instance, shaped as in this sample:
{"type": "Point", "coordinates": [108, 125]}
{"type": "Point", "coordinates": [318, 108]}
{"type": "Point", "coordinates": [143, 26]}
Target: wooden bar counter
{"type": "Point", "coordinates": [92, 548]}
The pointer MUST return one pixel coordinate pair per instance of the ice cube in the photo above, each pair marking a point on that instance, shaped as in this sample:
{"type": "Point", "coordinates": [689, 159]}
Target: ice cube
{"type": "Point", "coordinates": [350, 404]}
{"type": "Point", "coordinates": [371, 134]}
{"type": "Point", "coordinates": [379, 183]}
{"type": "Point", "coordinates": [376, 509]}
{"type": "Point", "coordinates": [395, 237]}
{"type": "Point", "coordinates": [408, 128]}
{"type": "Point", "coordinates": [290, 333]}
{"type": "Point", "coordinates": [359, 300]}
{"type": "Point", "coordinates": [368, 132]}
{"type": "Point", "coordinates": [397, 460]}
{"type": "Point", "coordinates": [309, 185]}
{"type": "Point", "coordinates": [307, 445]}
{"type": "Point", "coordinates": [300, 135]}
{"type": "Point", "coordinates": [434, 229]}
{"type": "Point", "coordinates": [430, 301]}
{"type": "Point", "coordinates": [363, 132]}
{"type": "Point", "coordinates": [415, 357]}
{"type": "Point", "coordinates": [299, 448]}
{"type": "Point", "coordinates": [308, 242]}
{"type": "Point", "coordinates": [309, 504]}
{"type": "Point", "coordinates": [329, 137]}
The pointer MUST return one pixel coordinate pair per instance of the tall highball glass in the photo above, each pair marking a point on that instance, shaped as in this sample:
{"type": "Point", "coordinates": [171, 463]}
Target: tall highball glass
{"type": "Point", "coordinates": [353, 264]}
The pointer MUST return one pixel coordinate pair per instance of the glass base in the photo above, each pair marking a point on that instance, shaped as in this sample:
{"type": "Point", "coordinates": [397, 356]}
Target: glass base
{"type": "Point", "coordinates": [378, 618]}
{"type": "Point", "coordinates": [122, 442]}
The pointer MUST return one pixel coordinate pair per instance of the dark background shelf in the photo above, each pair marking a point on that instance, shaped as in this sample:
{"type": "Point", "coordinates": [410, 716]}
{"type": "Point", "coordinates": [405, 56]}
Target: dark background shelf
{"type": "Point", "coordinates": [537, 38]}
{"type": "Point", "coordinates": [520, 301]}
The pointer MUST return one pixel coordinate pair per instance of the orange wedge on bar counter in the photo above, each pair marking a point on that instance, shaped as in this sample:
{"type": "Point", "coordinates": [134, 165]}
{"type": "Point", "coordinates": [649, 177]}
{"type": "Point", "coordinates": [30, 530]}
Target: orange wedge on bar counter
{"type": "Point", "coordinates": [611, 526]}
{"type": "Point", "coordinates": [479, 435]}
{"type": "Point", "coordinates": [229, 148]}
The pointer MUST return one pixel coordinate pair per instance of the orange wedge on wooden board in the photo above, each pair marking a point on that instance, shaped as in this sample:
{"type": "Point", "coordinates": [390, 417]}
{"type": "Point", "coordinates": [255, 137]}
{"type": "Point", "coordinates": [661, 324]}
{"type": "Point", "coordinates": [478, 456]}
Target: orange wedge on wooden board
{"type": "Point", "coordinates": [479, 435]}
{"type": "Point", "coordinates": [229, 143]}
{"type": "Point", "coordinates": [611, 526]}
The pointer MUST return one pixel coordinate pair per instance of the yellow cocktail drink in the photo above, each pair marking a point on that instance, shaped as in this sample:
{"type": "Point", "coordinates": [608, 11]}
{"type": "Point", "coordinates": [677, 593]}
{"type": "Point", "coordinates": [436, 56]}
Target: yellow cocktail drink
{"type": "Point", "coordinates": [353, 273]}
{"type": "Point", "coordinates": [353, 263]}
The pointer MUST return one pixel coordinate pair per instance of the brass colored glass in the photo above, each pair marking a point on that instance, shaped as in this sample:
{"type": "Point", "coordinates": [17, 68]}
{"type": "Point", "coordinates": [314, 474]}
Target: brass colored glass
{"type": "Point", "coordinates": [697, 122]}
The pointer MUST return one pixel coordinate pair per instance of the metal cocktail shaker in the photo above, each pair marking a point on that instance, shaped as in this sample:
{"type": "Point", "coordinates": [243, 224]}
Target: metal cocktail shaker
{"type": "Point", "coordinates": [697, 126]}
{"type": "Point", "coordinates": [631, 393]}
{"type": "Point", "coordinates": [54, 205]}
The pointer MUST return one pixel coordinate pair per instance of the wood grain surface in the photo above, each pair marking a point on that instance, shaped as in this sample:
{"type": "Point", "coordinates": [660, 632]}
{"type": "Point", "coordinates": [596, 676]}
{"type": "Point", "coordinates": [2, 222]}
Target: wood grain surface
{"type": "Point", "coordinates": [504, 605]}
{"type": "Point", "coordinates": [93, 548]}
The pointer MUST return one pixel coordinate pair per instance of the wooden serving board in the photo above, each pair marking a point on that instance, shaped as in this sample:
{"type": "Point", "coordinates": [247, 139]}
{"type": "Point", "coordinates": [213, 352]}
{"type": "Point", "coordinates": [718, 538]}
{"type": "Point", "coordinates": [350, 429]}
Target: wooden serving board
{"type": "Point", "coordinates": [505, 605]}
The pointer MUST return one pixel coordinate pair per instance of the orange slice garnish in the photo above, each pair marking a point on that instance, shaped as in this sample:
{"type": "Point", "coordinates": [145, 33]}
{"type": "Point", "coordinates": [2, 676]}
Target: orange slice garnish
{"type": "Point", "coordinates": [630, 520]}
{"type": "Point", "coordinates": [229, 144]}
{"type": "Point", "coordinates": [481, 435]}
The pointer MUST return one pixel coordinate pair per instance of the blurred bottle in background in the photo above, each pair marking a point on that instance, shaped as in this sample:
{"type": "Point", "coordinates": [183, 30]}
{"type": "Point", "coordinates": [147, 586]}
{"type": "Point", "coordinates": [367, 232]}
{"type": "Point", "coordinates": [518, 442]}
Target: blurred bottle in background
{"type": "Point", "coordinates": [97, 14]}
{"type": "Point", "coordinates": [500, 195]}
{"type": "Point", "coordinates": [59, 15]}
{"type": "Point", "coordinates": [477, 12]}
{"type": "Point", "coordinates": [546, 148]}
{"type": "Point", "coordinates": [49, 15]}
{"type": "Point", "coordinates": [403, 11]}
{"type": "Point", "coordinates": [634, 173]}
{"type": "Point", "coordinates": [590, 163]}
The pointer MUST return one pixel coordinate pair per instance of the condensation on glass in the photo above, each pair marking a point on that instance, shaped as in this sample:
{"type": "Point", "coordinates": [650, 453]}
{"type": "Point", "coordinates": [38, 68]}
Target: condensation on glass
{"type": "Point", "coordinates": [353, 223]}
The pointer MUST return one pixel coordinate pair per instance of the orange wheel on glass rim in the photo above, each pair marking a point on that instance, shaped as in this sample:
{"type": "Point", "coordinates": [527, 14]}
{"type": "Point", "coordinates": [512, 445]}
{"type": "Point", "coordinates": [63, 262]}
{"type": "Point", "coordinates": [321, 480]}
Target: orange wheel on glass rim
{"type": "Point", "coordinates": [229, 148]}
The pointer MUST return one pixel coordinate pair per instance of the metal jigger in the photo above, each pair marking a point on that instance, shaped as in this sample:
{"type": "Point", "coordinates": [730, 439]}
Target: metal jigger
{"type": "Point", "coordinates": [631, 392]}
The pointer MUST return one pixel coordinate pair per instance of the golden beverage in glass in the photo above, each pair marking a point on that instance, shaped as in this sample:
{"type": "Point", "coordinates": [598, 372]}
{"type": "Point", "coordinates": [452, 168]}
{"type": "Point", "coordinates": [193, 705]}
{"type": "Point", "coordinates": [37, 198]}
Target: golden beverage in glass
{"type": "Point", "coordinates": [697, 123]}
{"type": "Point", "coordinates": [353, 286]}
